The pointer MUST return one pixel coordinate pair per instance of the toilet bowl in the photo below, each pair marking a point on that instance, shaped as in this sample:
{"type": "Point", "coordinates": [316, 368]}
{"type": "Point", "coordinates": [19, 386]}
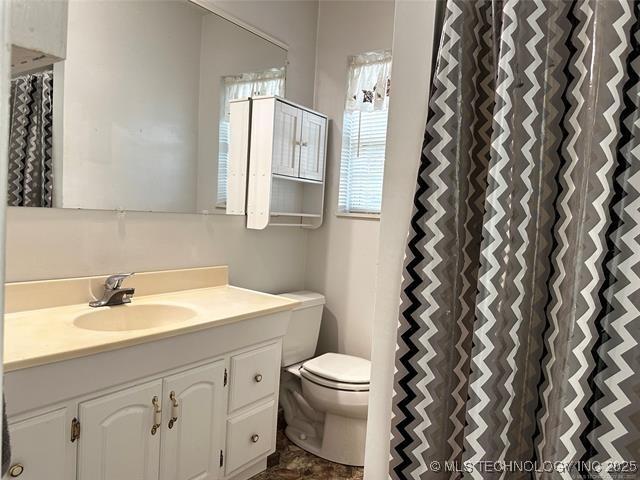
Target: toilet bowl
{"type": "Point", "coordinates": [325, 399]}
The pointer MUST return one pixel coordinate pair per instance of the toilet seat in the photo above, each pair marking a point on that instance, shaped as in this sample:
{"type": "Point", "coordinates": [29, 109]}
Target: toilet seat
{"type": "Point", "coordinates": [338, 372]}
{"type": "Point", "coordinates": [323, 382]}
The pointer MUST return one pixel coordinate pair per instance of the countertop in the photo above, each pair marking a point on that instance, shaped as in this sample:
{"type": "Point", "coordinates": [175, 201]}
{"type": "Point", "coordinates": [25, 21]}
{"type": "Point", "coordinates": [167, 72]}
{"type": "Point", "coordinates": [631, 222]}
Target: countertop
{"type": "Point", "coordinates": [47, 335]}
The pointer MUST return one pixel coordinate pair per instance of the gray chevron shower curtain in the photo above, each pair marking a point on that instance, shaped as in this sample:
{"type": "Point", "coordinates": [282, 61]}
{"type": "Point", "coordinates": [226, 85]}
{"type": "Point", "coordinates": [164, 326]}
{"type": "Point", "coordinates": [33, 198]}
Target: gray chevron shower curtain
{"type": "Point", "coordinates": [517, 353]}
{"type": "Point", "coordinates": [30, 141]}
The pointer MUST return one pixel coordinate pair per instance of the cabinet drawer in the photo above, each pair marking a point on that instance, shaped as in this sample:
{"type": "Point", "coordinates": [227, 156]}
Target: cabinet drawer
{"type": "Point", "coordinates": [254, 375]}
{"type": "Point", "coordinates": [251, 436]}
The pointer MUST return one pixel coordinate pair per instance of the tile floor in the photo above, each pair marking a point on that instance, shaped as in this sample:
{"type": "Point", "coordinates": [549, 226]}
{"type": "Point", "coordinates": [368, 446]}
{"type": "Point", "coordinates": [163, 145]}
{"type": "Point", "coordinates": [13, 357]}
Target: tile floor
{"type": "Point", "coordinates": [292, 463]}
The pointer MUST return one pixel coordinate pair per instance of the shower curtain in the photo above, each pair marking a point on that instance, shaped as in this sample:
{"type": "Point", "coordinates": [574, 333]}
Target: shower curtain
{"type": "Point", "coordinates": [30, 141]}
{"type": "Point", "coordinates": [517, 349]}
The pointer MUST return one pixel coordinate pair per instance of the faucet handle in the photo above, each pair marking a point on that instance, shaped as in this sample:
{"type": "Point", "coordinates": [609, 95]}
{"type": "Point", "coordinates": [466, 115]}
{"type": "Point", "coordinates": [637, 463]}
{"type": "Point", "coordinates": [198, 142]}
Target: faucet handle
{"type": "Point", "coordinates": [115, 281]}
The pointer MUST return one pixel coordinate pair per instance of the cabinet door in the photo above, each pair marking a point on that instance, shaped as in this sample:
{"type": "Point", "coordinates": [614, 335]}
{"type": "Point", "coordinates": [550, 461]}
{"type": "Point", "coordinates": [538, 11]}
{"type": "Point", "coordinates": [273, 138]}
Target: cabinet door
{"type": "Point", "coordinates": [191, 446]}
{"type": "Point", "coordinates": [116, 441]}
{"type": "Point", "coordinates": [312, 152]}
{"type": "Point", "coordinates": [286, 140]}
{"type": "Point", "coordinates": [41, 448]}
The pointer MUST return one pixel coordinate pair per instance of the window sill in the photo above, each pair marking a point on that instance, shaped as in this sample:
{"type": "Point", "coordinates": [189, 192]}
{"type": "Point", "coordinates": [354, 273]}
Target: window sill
{"type": "Point", "coordinates": [363, 216]}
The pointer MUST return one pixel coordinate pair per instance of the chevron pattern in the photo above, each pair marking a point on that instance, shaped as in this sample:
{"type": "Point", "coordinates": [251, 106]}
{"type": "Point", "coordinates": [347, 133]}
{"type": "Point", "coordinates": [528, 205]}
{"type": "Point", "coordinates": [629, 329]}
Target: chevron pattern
{"type": "Point", "coordinates": [520, 309]}
{"type": "Point", "coordinates": [30, 141]}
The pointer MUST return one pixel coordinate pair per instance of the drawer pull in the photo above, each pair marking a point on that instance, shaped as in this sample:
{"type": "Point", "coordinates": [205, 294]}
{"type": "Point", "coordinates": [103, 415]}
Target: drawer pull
{"type": "Point", "coordinates": [258, 378]}
{"type": "Point", "coordinates": [157, 415]}
{"type": "Point", "coordinates": [174, 409]}
{"type": "Point", "coordinates": [16, 470]}
{"type": "Point", "coordinates": [255, 437]}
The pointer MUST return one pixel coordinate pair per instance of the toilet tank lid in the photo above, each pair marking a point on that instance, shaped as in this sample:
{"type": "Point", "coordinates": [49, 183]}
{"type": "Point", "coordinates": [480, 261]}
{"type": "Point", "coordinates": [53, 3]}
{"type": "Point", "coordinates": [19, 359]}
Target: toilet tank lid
{"type": "Point", "coordinates": [307, 298]}
{"type": "Point", "coordinates": [340, 368]}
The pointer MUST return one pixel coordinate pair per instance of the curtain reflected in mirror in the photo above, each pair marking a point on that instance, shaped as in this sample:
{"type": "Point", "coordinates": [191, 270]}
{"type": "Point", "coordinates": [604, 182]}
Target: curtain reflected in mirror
{"type": "Point", "coordinates": [30, 141]}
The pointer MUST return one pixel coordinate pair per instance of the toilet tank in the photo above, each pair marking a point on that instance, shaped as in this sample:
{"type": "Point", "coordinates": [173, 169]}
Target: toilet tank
{"type": "Point", "coordinates": [302, 335]}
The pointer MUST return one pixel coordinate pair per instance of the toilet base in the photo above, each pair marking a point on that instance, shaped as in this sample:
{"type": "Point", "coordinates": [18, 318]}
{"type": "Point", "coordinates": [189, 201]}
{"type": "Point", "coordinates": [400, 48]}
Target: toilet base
{"type": "Point", "coordinates": [343, 440]}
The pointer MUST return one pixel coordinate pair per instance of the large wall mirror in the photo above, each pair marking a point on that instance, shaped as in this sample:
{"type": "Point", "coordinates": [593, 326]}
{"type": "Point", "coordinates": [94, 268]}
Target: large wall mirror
{"type": "Point", "coordinates": [129, 109]}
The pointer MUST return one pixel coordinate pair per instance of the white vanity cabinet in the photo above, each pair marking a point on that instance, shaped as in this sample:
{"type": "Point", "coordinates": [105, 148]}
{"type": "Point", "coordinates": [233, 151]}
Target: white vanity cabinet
{"type": "Point", "coordinates": [286, 156]}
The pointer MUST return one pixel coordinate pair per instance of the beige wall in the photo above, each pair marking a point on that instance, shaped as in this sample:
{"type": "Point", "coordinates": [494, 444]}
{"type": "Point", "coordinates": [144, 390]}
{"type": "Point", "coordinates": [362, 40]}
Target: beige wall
{"type": "Point", "coordinates": [412, 48]}
{"type": "Point", "coordinates": [44, 243]}
{"type": "Point", "coordinates": [342, 254]}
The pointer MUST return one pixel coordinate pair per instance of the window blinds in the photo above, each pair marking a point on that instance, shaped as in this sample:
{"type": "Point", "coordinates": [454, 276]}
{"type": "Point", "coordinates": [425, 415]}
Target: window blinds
{"type": "Point", "coordinates": [364, 134]}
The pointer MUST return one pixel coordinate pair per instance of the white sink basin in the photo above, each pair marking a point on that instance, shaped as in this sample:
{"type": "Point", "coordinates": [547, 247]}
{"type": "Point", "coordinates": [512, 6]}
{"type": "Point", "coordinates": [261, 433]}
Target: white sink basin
{"type": "Point", "coordinates": [133, 317]}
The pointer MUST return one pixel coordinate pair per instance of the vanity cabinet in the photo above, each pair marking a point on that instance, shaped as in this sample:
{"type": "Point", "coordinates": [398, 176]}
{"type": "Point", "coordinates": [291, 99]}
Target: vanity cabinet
{"type": "Point", "coordinates": [210, 421]}
{"type": "Point", "coordinates": [286, 156]}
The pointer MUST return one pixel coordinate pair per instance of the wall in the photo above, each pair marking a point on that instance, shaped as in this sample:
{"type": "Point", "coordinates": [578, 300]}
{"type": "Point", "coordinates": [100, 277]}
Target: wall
{"type": "Point", "coordinates": [342, 254]}
{"type": "Point", "coordinates": [44, 243]}
{"type": "Point", "coordinates": [412, 48]}
{"type": "Point", "coordinates": [294, 23]}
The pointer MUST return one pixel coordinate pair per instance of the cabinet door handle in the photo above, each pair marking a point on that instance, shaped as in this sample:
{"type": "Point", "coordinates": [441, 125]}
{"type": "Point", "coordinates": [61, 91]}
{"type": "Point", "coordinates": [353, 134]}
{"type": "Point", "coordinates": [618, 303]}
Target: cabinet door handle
{"type": "Point", "coordinates": [305, 144]}
{"type": "Point", "coordinates": [16, 470]}
{"type": "Point", "coordinates": [258, 378]}
{"type": "Point", "coordinates": [174, 409]}
{"type": "Point", "coordinates": [157, 415]}
{"type": "Point", "coordinates": [255, 437]}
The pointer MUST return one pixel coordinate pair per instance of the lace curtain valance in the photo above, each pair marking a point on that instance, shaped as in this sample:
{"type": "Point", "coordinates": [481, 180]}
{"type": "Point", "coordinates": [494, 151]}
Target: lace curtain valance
{"type": "Point", "coordinates": [369, 82]}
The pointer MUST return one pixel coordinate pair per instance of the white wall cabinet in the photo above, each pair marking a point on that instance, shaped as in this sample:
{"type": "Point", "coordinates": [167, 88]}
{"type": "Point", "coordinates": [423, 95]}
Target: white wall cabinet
{"type": "Point", "coordinates": [312, 152]}
{"type": "Point", "coordinates": [40, 27]}
{"type": "Point", "coordinates": [175, 426]}
{"type": "Point", "coordinates": [287, 134]}
{"type": "Point", "coordinates": [286, 164]}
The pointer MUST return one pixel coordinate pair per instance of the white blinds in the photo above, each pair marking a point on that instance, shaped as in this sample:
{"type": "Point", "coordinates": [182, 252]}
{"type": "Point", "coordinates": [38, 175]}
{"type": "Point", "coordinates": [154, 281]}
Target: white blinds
{"type": "Point", "coordinates": [269, 82]}
{"type": "Point", "coordinates": [364, 134]}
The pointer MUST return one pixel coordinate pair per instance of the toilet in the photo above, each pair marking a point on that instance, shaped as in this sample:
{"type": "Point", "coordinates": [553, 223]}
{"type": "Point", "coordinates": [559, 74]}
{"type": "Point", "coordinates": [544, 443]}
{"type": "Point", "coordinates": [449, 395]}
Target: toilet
{"type": "Point", "coordinates": [325, 399]}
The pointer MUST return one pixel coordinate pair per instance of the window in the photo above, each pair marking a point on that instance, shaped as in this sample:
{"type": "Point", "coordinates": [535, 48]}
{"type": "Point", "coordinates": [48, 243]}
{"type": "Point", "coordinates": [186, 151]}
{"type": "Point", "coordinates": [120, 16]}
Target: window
{"type": "Point", "coordinates": [268, 82]}
{"type": "Point", "coordinates": [364, 134]}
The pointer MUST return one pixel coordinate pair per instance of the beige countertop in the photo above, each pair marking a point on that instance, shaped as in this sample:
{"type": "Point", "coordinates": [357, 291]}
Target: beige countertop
{"type": "Point", "coordinates": [47, 335]}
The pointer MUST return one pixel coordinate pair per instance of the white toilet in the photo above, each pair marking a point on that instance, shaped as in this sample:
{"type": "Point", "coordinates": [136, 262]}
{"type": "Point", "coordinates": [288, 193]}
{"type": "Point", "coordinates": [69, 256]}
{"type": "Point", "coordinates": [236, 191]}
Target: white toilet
{"type": "Point", "coordinates": [325, 399]}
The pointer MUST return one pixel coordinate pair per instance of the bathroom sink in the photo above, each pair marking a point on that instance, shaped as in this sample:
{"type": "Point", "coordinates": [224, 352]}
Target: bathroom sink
{"type": "Point", "coordinates": [133, 317]}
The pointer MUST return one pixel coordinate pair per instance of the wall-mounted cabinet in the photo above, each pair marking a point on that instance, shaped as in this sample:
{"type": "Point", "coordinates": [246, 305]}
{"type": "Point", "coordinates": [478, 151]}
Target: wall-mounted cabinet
{"type": "Point", "coordinates": [38, 33]}
{"type": "Point", "coordinates": [285, 176]}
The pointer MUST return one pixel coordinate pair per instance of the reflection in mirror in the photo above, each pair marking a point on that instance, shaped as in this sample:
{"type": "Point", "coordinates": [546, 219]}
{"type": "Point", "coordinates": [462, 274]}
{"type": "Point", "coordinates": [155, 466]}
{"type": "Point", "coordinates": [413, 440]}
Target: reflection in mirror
{"type": "Point", "coordinates": [135, 114]}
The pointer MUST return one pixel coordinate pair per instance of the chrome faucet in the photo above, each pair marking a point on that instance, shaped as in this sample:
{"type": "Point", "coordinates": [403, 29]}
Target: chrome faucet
{"type": "Point", "coordinates": [114, 294]}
